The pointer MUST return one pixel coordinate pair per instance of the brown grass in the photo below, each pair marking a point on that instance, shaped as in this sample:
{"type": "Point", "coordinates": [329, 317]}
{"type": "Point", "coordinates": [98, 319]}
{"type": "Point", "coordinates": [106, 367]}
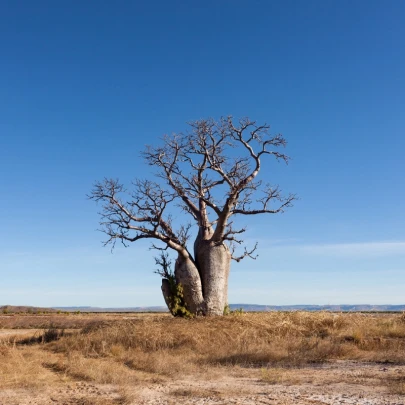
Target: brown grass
{"type": "Point", "coordinates": [145, 348]}
{"type": "Point", "coordinates": [168, 346]}
{"type": "Point", "coordinates": [23, 368]}
{"type": "Point", "coordinates": [63, 320]}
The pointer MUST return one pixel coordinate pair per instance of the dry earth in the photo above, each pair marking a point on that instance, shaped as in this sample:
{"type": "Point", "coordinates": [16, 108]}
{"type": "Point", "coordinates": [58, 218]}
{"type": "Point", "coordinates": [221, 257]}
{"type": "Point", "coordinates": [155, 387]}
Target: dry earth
{"type": "Point", "coordinates": [43, 380]}
{"type": "Point", "coordinates": [343, 383]}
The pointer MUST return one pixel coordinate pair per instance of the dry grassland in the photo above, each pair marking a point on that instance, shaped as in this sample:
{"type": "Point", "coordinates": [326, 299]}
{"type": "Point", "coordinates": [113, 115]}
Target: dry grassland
{"type": "Point", "coordinates": [268, 358]}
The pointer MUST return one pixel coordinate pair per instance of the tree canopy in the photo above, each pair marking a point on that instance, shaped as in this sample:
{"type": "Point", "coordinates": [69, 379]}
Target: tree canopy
{"type": "Point", "coordinates": [210, 172]}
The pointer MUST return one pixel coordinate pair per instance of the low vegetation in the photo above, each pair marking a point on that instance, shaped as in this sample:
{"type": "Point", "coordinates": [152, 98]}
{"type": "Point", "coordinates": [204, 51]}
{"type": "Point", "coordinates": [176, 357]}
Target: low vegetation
{"type": "Point", "coordinates": [170, 346]}
{"type": "Point", "coordinates": [112, 350]}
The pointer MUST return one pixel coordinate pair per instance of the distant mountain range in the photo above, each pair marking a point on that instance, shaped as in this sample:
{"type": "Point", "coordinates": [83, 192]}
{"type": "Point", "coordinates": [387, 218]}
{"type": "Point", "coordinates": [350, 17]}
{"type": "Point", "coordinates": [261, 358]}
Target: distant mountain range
{"type": "Point", "coordinates": [7, 309]}
{"type": "Point", "coordinates": [333, 308]}
{"type": "Point", "coordinates": [255, 308]}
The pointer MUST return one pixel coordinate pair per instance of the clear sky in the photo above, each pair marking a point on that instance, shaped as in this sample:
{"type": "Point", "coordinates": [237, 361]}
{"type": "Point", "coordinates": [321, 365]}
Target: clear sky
{"type": "Point", "coordinates": [84, 85]}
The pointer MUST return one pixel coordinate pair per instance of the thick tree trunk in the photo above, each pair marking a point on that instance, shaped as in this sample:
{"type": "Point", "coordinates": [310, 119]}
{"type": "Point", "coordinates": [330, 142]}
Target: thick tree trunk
{"type": "Point", "coordinates": [167, 292]}
{"type": "Point", "coordinates": [187, 275]}
{"type": "Point", "coordinates": [204, 280]}
{"type": "Point", "coordinates": [214, 262]}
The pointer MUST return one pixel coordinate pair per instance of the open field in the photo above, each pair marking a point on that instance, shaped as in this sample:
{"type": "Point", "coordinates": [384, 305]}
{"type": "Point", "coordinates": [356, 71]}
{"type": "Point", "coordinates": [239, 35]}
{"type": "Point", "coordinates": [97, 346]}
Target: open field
{"type": "Point", "coordinates": [267, 358]}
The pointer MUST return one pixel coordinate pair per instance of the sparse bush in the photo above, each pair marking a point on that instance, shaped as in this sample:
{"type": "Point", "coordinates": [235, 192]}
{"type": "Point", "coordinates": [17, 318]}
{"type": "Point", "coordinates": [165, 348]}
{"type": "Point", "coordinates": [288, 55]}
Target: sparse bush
{"type": "Point", "coordinates": [52, 334]}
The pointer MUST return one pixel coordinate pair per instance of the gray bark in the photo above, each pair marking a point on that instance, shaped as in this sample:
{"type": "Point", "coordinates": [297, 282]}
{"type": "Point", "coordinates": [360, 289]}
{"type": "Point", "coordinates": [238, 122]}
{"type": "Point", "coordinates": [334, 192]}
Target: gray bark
{"type": "Point", "coordinates": [167, 293]}
{"type": "Point", "coordinates": [214, 261]}
{"type": "Point", "coordinates": [187, 275]}
{"type": "Point", "coordinates": [204, 279]}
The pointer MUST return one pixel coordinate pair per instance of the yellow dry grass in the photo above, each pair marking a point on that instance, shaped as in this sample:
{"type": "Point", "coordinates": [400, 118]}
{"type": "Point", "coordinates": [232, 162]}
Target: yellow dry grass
{"type": "Point", "coordinates": [110, 350]}
{"type": "Point", "coordinates": [168, 346]}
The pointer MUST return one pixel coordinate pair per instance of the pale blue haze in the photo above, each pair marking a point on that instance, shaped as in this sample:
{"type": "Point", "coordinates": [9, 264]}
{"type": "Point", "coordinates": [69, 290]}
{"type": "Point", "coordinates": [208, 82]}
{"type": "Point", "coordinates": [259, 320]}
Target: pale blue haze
{"type": "Point", "coordinates": [84, 85]}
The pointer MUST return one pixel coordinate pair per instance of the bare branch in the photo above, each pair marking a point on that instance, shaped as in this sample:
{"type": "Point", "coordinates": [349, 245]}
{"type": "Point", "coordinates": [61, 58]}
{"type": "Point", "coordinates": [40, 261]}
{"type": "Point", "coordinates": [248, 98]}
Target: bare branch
{"type": "Point", "coordinates": [230, 233]}
{"type": "Point", "coordinates": [270, 195]}
{"type": "Point", "coordinates": [246, 253]}
{"type": "Point", "coordinates": [165, 265]}
{"type": "Point", "coordinates": [142, 217]}
{"type": "Point", "coordinates": [211, 172]}
{"type": "Point", "coordinates": [245, 169]}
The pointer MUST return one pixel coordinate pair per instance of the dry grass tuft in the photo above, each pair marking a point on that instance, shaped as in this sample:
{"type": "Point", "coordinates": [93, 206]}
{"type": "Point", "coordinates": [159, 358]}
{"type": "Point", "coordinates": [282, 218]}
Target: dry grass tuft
{"type": "Point", "coordinates": [23, 368]}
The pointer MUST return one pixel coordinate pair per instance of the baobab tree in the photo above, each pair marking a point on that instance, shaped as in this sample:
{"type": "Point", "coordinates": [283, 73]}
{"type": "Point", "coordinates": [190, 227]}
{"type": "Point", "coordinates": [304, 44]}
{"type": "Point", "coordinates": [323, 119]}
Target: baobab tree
{"type": "Point", "coordinates": [211, 173]}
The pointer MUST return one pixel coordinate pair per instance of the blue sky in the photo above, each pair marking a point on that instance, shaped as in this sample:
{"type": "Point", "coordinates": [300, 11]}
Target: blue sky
{"type": "Point", "coordinates": [85, 85]}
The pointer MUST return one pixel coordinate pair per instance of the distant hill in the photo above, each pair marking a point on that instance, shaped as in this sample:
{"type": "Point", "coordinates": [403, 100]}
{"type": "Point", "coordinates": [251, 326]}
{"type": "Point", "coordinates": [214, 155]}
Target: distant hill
{"type": "Point", "coordinates": [254, 308]}
{"type": "Point", "coordinates": [334, 308]}
{"type": "Point", "coordinates": [10, 309]}
{"type": "Point", "coordinates": [13, 309]}
{"type": "Point", "coordinates": [97, 309]}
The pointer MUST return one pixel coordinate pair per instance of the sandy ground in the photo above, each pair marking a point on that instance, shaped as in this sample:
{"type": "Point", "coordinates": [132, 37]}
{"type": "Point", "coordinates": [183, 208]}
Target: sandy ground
{"type": "Point", "coordinates": [337, 383]}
